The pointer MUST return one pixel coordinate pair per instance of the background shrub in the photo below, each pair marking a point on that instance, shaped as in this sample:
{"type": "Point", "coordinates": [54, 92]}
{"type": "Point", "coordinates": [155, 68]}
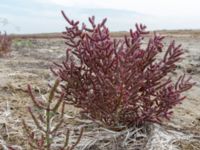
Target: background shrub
{"type": "Point", "coordinates": [119, 82]}
{"type": "Point", "coordinates": [5, 43]}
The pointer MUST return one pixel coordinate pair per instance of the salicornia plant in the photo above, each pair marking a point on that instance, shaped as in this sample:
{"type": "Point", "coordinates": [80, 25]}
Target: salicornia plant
{"type": "Point", "coordinates": [119, 82]}
{"type": "Point", "coordinates": [49, 122]}
{"type": "Point", "coordinates": [5, 43]}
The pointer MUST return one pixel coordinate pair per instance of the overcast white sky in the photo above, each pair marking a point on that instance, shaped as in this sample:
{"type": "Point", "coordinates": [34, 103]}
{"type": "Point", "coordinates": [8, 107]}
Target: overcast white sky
{"type": "Point", "coordinates": [33, 16]}
{"type": "Point", "coordinates": [154, 7]}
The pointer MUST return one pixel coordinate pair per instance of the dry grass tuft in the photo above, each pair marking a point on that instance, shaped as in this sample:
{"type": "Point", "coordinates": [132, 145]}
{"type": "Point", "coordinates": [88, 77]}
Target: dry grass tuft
{"type": "Point", "coordinates": [10, 129]}
{"type": "Point", "coordinates": [162, 138]}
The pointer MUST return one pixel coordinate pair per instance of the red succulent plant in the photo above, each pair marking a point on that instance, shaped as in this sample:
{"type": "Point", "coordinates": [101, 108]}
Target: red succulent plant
{"type": "Point", "coordinates": [5, 43]}
{"type": "Point", "coordinates": [119, 82]}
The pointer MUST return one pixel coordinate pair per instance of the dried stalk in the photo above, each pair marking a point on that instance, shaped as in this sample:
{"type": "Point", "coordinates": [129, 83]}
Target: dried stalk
{"type": "Point", "coordinates": [48, 111]}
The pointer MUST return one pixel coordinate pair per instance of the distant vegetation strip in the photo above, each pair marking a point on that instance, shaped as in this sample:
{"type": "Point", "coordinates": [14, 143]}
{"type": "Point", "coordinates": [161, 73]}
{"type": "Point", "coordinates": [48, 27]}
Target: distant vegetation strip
{"type": "Point", "coordinates": [36, 36]}
{"type": "Point", "coordinates": [173, 33]}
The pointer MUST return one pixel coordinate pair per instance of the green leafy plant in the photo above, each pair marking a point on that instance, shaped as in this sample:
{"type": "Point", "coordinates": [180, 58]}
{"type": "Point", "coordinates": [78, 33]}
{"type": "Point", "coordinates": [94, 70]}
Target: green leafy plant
{"type": "Point", "coordinates": [23, 43]}
{"type": "Point", "coordinates": [49, 123]}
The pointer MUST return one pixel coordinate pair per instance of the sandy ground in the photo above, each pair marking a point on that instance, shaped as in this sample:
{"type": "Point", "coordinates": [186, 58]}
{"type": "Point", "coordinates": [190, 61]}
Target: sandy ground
{"type": "Point", "coordinates": [29, 63]}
